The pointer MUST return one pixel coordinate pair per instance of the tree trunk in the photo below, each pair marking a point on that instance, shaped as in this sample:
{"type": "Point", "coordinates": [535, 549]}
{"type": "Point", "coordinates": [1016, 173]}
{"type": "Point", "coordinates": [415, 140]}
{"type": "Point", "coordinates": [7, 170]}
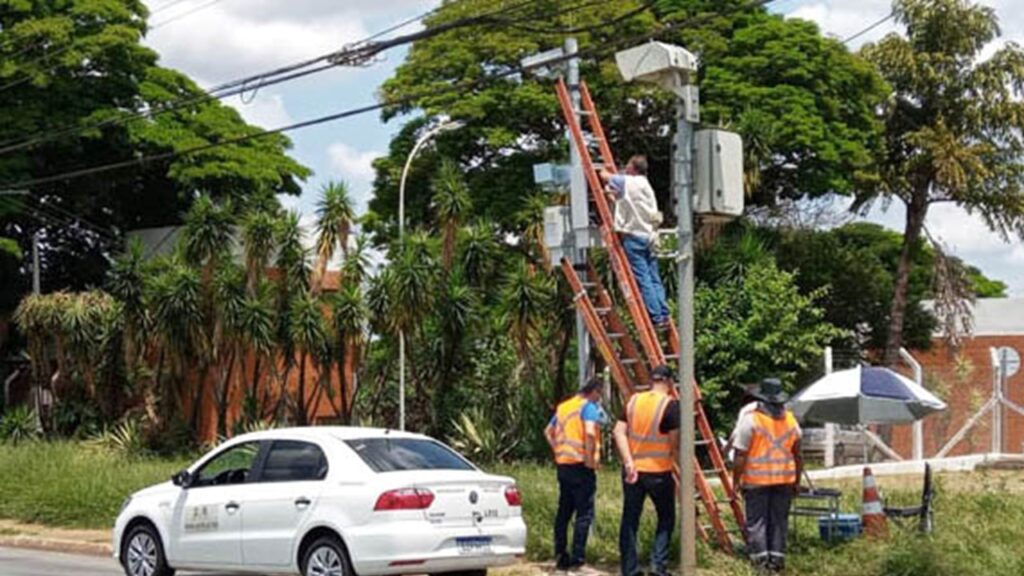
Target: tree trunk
{"type": "Point", "coordinates": [224, 395]}
{"type": "Point", "coordinates": [917, 210]}
{"type": "Point", "coordinates": [560, 358]}
{"type": "Point", "coordinates": [300, 400]}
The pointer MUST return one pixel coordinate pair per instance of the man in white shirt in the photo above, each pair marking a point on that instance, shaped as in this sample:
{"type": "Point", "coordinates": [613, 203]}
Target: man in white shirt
{"type": "Point", "coordinates": [636, 221]}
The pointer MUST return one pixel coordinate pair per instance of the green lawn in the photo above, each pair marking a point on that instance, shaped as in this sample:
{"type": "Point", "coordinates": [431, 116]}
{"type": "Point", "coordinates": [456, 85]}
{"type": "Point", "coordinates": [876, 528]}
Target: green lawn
{"type": "Point", "coordinates": [979, 517]}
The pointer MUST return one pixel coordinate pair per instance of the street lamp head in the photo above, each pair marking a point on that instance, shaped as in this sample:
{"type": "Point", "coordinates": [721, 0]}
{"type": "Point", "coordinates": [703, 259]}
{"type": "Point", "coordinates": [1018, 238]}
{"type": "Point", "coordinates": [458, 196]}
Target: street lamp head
{"type": "Point", "coordinates": [657, 63]}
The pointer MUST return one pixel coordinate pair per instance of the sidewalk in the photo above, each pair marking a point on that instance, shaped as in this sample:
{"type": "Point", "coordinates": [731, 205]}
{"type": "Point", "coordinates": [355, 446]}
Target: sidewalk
{"type": "Point", "coordinates": [21, 535]}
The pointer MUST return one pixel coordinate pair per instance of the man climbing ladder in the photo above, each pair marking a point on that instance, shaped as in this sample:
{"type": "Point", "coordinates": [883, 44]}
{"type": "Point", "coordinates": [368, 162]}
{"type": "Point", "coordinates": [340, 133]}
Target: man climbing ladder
{"type": "Point", "coordinates": [636, 221]}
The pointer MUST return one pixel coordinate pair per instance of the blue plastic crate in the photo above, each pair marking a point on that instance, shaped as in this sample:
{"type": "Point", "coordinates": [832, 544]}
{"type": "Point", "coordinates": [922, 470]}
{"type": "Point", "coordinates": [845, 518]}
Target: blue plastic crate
{"type": "Point", "coordinates": [844, 526]}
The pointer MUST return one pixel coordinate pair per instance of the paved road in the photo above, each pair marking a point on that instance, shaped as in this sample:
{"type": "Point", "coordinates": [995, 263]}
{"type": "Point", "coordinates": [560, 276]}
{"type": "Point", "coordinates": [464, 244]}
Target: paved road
{"type": "Point", "coordinates": [17, 562]}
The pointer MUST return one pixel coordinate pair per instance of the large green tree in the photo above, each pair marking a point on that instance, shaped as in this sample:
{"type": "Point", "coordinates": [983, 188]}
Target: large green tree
{"type": "Point", "coordinates": [953, 126]}
{"type": "Point", "coordinates": [80, 63]}
{"type": "Point", "coordinates": [803, 103]}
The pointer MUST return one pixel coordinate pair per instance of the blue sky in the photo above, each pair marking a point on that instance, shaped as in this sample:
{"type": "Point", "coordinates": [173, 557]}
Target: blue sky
{"type": "Point", "coordinates": [235, 38]}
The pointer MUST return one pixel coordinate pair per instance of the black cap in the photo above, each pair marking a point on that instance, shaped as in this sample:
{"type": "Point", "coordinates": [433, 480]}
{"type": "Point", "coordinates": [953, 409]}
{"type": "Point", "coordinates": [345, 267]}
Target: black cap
{"type": "Point", "coordinates": [661, 372]}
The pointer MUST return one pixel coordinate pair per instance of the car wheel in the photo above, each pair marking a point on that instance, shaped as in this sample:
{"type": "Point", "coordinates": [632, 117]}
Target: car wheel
{"type": "Point", "coordinates": [326, 557]}
{"type": "Point", "coordinates": [143, 553]}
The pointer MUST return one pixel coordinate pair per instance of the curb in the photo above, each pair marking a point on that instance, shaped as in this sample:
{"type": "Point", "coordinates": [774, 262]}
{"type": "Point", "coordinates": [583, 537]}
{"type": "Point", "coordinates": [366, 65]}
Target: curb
{"type": "Point", "coordinates": [57, 545]}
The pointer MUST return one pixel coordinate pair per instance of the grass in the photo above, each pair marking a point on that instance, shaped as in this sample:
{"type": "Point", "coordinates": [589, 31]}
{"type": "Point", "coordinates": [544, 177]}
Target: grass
{"type": "Point", "coordinates": [979, 521]}
{"type": "Point", "coordinates": [68, 485]}
{"type": "Point", "coordinates": [979, 517]}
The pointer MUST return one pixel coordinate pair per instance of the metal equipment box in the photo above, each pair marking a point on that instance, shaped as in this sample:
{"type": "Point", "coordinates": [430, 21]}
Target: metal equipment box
{"type": "Point", "coordinates": [718, 174]}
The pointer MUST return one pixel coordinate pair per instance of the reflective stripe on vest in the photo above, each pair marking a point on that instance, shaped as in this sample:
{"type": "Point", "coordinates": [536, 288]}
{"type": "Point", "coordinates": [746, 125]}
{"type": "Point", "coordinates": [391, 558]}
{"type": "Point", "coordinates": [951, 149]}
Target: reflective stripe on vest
{"type": "Point", "coordinates": [770, 459]}
{"type": "Point", "coordinates": [651, 450]}
{"type": "Point", "coordinates": [570, 435]}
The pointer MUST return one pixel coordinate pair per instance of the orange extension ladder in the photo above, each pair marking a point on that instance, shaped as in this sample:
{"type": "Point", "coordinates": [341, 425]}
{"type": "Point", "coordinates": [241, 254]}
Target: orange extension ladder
{"type": "Point", "coordinates": [612, 337]}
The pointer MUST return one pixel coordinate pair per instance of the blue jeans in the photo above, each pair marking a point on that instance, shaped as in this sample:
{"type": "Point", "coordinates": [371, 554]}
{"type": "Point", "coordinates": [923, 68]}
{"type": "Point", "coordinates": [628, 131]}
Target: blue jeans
{"type": "Point", "coordinates": [661, 488]}
{"type": "Point", "coordinates": [645, 269]}
{"type": "Point", "coordinates": [577, 486]}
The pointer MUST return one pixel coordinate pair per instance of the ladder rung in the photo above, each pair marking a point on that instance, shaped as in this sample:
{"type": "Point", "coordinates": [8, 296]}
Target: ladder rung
{"type": "Point", "coordinates": [702, 442]}
{"type": "Point", "coordinates": [671, 357]}
{"type": "Point", "coordinates": [602, 311]}
{"type": "Point", "coordinates": [712, 471]}
{"type": "Point", "coordinates": [615, 335]}
{"type": "Point", "coordinates": [589, 284]}
{"type": "Point", "coordinates": [629, 361]}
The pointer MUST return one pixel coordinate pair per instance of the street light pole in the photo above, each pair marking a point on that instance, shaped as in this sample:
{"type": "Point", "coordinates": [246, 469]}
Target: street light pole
{"type": "Point", "coordinates": [427, 136]}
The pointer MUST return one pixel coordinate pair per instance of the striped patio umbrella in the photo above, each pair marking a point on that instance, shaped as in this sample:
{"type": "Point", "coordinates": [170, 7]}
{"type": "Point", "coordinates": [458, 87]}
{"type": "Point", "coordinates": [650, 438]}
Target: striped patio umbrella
{"type": "Point", "coordinates": [864, 395]}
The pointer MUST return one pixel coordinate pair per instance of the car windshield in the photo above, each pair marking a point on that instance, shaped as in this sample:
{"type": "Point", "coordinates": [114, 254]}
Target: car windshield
{"type": "Point", "coordinates": [400, 454]}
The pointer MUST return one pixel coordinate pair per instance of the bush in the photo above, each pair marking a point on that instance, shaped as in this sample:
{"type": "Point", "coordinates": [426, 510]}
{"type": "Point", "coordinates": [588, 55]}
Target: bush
{"type": "Point", "coordinates": [125, 439]}
{"type": "Point", "coordinates": [18, 425]}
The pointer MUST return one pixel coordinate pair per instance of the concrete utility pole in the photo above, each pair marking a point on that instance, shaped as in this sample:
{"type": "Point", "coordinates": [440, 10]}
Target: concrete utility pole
{"type": "Point", "coordinates": [564, 62]}
{"type": "Point", "coordinates": [687, 113]}
{"type": "Point", "coordinates": [578, 191]}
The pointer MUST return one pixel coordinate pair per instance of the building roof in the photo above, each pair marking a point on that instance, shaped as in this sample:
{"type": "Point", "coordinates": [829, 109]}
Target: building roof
{"type": "Point", "coordinates": [995, 316]}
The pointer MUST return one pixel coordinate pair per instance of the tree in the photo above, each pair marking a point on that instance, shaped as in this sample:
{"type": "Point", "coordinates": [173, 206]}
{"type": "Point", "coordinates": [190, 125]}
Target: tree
{"type": "Point", "coordinates": [953, 127]}
{"type": "Point", "coordinates": [805, 100]}
{"type": "Point", "coordinates": [335, 215]}
{"type": "Point", "coordinates": [71, 73]}
{"type": "Point", "coordinates": [451, 203]}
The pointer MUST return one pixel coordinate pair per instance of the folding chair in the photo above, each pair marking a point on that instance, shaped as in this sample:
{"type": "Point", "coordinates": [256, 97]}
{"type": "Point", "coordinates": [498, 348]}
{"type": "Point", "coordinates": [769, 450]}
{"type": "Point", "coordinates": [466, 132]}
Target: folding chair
{"type": "Point", "coordinates": [923, 512]}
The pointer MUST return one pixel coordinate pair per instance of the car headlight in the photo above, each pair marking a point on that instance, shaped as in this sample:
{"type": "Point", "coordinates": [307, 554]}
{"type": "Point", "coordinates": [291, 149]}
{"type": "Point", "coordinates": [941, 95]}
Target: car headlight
{"type": "Point", "coordinates": [124, 505]}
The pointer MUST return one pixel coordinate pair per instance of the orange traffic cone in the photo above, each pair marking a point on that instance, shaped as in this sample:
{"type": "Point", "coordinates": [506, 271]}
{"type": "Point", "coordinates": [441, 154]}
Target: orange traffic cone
{"type": "Point", "coordinates": [872, 515]}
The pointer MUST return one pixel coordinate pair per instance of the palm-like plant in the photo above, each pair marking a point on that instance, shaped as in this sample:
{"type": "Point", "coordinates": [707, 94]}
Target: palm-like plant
{"type": "Point", "coordinates": [525, 302]}
{"type": "Point", "coordinates": [259, 333]}
{"type": "Point", "coordinates": [335, 214]}
{"type": "Point", "coordinates": [230, 293]}
{"type": "Point", "coordinates": [258, 242]}
{"type": "Point", "coordinates": [531, 220]}
{"type": "Point", "coordinates": [307, 329]}
{"type": "Point", "coordinates": [208, 232]}
{"type": "Point", "coordinates": [356, 265]}
{"type": "Point", "coordinates": [451, 203]}
{"type": "Point", "coordinates": [350, 316]}
{"type": "Point", "coordinates": [479, 252]}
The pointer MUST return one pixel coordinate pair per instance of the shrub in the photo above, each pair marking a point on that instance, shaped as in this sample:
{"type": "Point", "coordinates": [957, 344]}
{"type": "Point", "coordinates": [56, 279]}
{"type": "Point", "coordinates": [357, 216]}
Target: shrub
{"type": "Point", "coordinates": [19, 425]}
{"type": "Point", "coordinates": [125, 439]}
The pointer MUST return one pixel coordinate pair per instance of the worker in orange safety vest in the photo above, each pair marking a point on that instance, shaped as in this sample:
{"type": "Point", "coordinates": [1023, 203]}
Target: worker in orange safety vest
{"type": "Point", "coordinates": [768, 468]}
{"type": "Point", "coordinates": [575, 439]}
{"type": "Point", "coordinates": [647, 438]}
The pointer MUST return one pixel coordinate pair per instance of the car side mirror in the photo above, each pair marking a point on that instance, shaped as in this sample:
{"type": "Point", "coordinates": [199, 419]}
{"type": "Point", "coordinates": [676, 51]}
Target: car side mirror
{"type": "Point", "coordinates": [182, 479]}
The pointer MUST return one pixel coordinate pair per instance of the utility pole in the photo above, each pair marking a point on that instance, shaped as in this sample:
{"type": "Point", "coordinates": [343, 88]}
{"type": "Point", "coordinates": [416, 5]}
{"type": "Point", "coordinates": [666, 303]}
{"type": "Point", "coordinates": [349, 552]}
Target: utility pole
{"type": "Point", "coordinates": [687, 113]}
{"type": "Point", "coordinates": [35, 264]}
{"type": "Point", "coordinates": [580, 207]}
{"type": "Point", "coordinates": [564, 62]}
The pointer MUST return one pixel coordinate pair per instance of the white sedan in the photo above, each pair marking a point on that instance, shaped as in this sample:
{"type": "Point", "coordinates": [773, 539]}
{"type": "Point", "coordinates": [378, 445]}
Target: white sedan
{"type": "Point", "coordinates": [324, 501]}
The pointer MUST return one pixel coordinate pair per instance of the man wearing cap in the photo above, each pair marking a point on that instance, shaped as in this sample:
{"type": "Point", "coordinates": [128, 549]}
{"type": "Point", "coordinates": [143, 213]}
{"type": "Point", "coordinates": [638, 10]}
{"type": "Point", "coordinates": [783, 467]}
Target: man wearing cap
{"type": "Point", "coordinates": [575, 440]}
{"type": "Point", "coordinates": [647, 438]}
{"type": "Point", "coordinates": [768, 467]}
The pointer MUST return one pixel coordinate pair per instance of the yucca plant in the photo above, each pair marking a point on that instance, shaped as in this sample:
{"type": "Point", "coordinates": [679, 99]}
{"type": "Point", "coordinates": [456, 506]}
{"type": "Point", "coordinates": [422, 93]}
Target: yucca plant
{"type": "Point", "coordinates": [335, 215]}
{"type": "Point", "coordinates": [126, 439]}
{"type": "Point", "coordinates": [477, 436]}
{"type": "Point", "coordinates": [450, 203]}
{"type": "Point", "coordinates": [19, 425]}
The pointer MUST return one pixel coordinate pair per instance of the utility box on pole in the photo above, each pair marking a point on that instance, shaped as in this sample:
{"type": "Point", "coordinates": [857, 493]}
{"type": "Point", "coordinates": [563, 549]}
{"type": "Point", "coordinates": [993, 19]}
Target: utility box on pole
{"type": "Point", "coordinates": [718, 169]}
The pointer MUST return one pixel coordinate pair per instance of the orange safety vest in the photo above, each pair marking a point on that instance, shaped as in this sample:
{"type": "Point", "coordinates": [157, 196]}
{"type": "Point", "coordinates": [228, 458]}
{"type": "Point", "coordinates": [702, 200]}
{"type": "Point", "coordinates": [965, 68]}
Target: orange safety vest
{"type": "Point", "coordinates": [770, 460]}
{"type": "Point", "coordinates": [651, 450]}
{"type": "Point", "coordinates": [570, 433]}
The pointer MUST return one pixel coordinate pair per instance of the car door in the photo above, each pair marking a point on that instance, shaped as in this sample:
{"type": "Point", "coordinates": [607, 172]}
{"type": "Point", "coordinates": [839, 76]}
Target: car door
{"type": "Point", "coordinates": [279, 503]}
{"type": "Point", "coordinates": [207, 515]}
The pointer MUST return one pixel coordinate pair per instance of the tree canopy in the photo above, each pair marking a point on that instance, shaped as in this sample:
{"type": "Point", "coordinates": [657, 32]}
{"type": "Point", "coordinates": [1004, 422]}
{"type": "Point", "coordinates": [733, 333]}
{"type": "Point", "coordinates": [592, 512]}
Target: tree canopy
{"type": "Point", "coordinates": [954, 125]}
{"type": "Point", "coordinates": [71, 71]}
{"type": "Point", "coordinates": [803, 103]}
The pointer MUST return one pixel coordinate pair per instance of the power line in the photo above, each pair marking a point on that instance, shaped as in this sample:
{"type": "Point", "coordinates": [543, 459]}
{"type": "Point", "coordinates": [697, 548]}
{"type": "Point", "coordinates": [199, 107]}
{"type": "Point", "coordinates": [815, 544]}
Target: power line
{"type": "Point", "coordinates": [167, 6]}
{"type": "Point", "coordinates": [853, 37]}
{"type": "Point", "coordinates": [354, 54]}
{"type": "Point", "coordinates": [185, 14]}
{"type": "Point", "coordinates": [407, 100]}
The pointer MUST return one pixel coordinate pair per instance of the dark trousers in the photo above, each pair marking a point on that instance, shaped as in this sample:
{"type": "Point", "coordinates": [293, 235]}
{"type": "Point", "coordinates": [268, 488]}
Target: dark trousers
{"type": "Point", "coordinates": [661, 488]}
{"type": "Point", "coordinates": [577, 486]}
{"type": "Point", "coordinates": [767, 523]}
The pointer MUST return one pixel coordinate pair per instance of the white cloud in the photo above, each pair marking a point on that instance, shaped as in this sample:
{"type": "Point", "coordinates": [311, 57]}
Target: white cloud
{"type": "Point", "coordinates": [265, 110]}
{"type": "Point", "coordinates": [352, 164]}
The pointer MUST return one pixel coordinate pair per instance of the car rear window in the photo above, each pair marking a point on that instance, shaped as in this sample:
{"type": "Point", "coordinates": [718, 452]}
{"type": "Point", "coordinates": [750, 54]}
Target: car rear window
{"type": "Point", "coordinates": [400, 454]}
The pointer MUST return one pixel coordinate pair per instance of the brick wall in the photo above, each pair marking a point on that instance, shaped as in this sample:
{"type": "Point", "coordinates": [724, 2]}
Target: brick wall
{"type": "Point", "coordinates": [963, 379]}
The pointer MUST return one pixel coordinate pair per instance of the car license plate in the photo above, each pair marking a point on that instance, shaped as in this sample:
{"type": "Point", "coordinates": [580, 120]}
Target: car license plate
{"type": "Point", "coordinates": [474, 545]}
